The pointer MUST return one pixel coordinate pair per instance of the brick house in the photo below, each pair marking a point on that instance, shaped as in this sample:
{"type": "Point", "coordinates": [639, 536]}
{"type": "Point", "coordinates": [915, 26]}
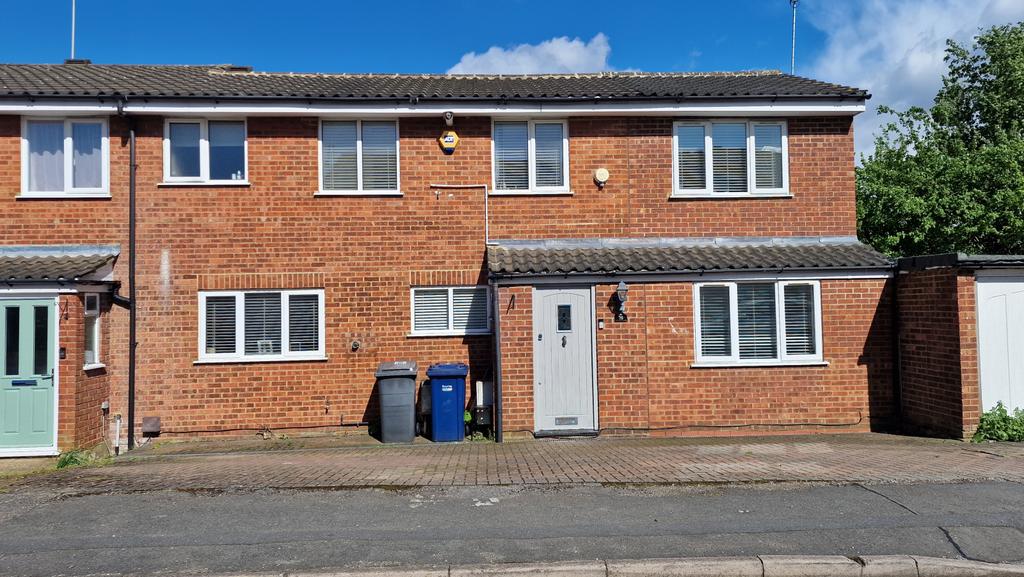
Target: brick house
{"type": "Point", "coordinates": [619, 252]}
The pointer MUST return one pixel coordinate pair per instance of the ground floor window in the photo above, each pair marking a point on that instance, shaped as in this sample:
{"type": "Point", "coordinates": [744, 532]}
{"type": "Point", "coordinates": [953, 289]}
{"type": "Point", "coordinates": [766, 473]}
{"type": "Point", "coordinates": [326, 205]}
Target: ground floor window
{"type": "Point", "coordinates": [92, 330]}
{"type": "Point", "coordinates": [462, 310]}
{"type": "Point", "coordinates": [758, 322]}
{"type": "Point", "coordinates": [261, 325]}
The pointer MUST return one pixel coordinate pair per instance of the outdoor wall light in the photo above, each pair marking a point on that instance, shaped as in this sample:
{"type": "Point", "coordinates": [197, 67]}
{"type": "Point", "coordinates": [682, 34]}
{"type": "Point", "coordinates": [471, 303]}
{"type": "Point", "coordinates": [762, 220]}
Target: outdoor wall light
{"type": "Point", "coordinates": [621, 294]}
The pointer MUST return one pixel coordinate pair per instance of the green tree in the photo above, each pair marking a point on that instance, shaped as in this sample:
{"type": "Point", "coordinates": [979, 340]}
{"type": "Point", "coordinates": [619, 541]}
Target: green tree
{"type": "Point", "coordinates": [951, 179]}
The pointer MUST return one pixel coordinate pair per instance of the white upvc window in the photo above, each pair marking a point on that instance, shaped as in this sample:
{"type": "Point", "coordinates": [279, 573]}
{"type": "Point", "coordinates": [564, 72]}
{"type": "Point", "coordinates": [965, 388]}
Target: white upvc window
{"type": "Point", "coordinates": [757, 322]}
{"type": "Point", "coordinates": [359, 157]}
{"type": "Point", "coordinates": [261, 325]}
{"type": "Point", "coordinates": [201, 151]}
{"type": "Point", "coordinates": [92, 332]}
{"type": "Point", "coordinates": [730, 158]}
{"type": "Point", "coordinates": [65, 157]}
{"type": "Point", "coordinates": [451, 311]}
{"type": "Point", "coordinates": [530, 156]}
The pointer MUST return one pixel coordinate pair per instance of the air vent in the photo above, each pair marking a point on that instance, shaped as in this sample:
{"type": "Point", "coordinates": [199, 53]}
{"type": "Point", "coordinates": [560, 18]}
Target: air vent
{"type": "Point", "coordinates": [77, 61]}
{"type": "Point", "coordinates": [237, 68]}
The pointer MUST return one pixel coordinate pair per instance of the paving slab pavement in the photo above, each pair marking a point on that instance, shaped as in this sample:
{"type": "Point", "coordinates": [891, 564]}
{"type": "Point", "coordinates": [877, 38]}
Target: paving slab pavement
{"type": "Point", "coordinates": [824, 458]}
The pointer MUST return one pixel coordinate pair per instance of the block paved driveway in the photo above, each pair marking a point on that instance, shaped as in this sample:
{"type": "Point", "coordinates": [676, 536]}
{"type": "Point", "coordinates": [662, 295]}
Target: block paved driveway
{"type": "Point", "coordinates": [842, 458]}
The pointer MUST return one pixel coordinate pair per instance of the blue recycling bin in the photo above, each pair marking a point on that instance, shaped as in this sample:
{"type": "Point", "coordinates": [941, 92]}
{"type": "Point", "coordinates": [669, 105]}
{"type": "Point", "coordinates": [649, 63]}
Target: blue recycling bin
{"type": "Point", "coordinates": [447, 401]}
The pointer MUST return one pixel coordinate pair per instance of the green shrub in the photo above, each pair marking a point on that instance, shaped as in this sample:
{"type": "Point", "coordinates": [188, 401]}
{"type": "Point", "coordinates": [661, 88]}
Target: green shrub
{"type": "Point", "coordinates": [999, 425]}
{"type": "Point", "coordinates": [73, 458]}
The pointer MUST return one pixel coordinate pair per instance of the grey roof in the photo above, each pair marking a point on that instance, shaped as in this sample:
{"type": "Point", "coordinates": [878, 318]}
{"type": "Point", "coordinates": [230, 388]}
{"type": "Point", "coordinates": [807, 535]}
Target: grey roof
{"type": "Point", "coordinates": [135, 81]}
{"type": "Point", "coordinates": [49, 263]}
{"type": "Point", "coordinates": [673, 255]}
{"type": "Point", "coordinates": [959, 259]}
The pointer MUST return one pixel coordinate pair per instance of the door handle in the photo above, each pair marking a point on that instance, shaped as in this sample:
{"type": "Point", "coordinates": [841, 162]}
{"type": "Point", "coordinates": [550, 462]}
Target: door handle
{"type": "Point", "coordinates": [564, 340]}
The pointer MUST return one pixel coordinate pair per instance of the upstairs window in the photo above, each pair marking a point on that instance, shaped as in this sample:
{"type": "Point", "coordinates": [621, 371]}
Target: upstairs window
{"type": "Point", "coordinates": [359, 157]}
{"type": "Point", "coordinates": [730, 158]}
{"type": "Point", "coordinates": [205, 151]}
{"type": "Point", "coordinates": [758, 322]}
{"type": "Point", "coordinates": [530, 157]}
{"type": "Point", "coordinates": [65, 157]}
{"type": "Point", "coordinates": [261, 325]}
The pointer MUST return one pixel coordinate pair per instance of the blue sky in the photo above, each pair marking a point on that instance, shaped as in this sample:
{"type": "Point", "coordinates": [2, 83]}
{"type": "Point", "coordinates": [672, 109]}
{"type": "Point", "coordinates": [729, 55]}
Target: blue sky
{"type": "Point", "coordinates": [893, 48]}
{"type": "Point", "coordinates": [398, 35]}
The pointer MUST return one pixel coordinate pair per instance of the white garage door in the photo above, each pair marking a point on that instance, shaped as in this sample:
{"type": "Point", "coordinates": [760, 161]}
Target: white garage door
{"type": "Point", "coordinates": [1001, 340]}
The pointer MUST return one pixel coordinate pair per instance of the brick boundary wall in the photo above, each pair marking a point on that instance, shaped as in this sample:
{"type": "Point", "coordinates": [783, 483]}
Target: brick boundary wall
{"type": "Point", "coordinates": [939, 352]}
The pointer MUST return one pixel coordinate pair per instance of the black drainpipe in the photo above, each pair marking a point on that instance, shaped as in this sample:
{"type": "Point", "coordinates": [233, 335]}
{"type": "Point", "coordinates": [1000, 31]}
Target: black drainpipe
{"type": "Point", "coordinates": [132, 343]}
{"type": "Point", "coordinates": [499, 436]}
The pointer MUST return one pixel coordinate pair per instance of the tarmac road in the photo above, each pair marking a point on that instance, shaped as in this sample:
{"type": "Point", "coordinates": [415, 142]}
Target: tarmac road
{"type": "Point", "coordinates": [194, 533]}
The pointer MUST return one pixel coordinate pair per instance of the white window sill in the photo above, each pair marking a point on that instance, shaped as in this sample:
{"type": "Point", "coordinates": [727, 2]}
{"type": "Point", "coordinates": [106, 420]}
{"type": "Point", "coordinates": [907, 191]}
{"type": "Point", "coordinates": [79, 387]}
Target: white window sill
{"type": "Point", "coordinates": [729, 195]}
{"type": "Point", "coordinates": [255, 359]}
{"type": "Point", "coordinates": [531, 193]}
{"type": "Point", "coordinates": [197, 183]}
{"type": "Point", "coordinates": [769, 364]}
{"type": "Point", "coordinates": [427, 334]}
{"type": "Point", "coordinates": [358, 193]}
{"type": "Point", "coordinates": [93, 366]}
{"type": "Point", "coordinates": [64, 196]}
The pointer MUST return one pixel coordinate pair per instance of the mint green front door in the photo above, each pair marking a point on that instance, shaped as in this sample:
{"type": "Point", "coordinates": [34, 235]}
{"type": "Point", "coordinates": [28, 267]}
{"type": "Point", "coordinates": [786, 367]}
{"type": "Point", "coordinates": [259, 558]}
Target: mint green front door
{"type": "Point", "coordinates": [26, 374]}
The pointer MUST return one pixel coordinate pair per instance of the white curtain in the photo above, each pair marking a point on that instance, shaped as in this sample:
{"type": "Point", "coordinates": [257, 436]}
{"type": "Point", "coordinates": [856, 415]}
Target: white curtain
{"type": "Point", "coordinates": [46, 156]}
{"type": "Point", "coordinates": [87, 141]}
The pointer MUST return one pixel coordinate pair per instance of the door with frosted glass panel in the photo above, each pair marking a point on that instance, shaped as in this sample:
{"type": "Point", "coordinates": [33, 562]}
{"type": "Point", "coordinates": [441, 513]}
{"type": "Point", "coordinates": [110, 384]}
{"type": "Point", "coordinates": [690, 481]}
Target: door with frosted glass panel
{"type": "Point", "coordinates": [26, 373]}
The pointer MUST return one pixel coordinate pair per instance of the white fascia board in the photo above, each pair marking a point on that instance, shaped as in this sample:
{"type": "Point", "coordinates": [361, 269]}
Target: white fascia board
{"type": "Point", "coordinates": [214, 108]}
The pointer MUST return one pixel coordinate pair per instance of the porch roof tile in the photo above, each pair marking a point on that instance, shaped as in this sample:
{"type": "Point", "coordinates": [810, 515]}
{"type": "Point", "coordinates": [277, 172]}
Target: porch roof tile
{"type": "Point", "coordinates": [50, 263]}
{"type": "Point", "coordinates": [680, 255]}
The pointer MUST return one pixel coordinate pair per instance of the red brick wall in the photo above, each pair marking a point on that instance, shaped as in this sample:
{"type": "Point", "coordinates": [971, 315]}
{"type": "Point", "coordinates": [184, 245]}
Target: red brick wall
{"type": "Point", "coordinates": [938, 352]}
{"type": "Point", "coordinates": [645, 379]}
{"type": "Point", "coordinates": [368, 251]}
{"type": "Point", "coordinates": [82, 422]}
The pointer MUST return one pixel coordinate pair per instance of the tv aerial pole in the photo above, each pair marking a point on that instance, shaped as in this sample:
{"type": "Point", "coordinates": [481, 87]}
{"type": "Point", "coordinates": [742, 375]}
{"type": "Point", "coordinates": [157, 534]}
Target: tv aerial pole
{"type": "Point", "coordinates": [792, 52]}
{"type": "Point", "coordinates": [72, 29]}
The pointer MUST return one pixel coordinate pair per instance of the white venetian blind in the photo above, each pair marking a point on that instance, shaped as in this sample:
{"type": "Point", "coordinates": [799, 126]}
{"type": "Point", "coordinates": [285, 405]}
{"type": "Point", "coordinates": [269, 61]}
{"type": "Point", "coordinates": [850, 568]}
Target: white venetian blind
{"type": "Point", "coordinates": [692, 169]}
{"type": "Point", "coordinates": [262, 323]}
{"type": "Point", "coordinates": [799, 309]}
{"type": "Point", "coordinates": [768, 155]}
{"type": "Point", "coordinates": [469, 309]}
{"type": "Point", "coordinates": [380, 155]}
{"type": "Point", "coordinates": [511, 152]}
{"type": "Point", "coordinates": [303, 323]}
{"type": "Point", "coordinates": [430, 310]}
{"type": "Point", "coordinates": [715, 340]}
{"type": "Point", "coordinates": [755, 308]}
{"type": "Point", "coordinates": [548, 152]}
{"type": "Point", "coordinates": [338, 144]}
{"type": "Point", "coordinates": [220, 325]}
{"type": "Point", "coordinates": [729, 156]}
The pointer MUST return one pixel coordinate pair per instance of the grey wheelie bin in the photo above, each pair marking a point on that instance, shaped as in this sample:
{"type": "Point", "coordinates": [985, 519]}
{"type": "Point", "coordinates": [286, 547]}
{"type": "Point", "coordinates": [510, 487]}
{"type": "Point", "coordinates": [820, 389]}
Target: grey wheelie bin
{"type": "Point", "coordinates": [396, 389]}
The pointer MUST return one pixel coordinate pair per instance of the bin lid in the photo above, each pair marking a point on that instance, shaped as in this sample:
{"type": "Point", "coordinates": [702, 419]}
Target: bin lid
{"type": "Point", "coordinates": [397, 369]}
{"type": "Point", "coordinates": [448, 370]}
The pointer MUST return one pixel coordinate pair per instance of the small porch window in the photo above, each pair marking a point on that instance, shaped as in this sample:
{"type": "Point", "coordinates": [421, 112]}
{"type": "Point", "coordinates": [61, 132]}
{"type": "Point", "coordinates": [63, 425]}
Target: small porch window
{"type": "Point", "coordinates": [92, 332]}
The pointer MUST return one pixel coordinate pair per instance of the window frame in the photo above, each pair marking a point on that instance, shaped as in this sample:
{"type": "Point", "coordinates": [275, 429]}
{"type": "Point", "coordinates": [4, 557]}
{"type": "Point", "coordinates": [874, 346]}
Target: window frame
{"type": "Point", "coordinates": [451, 331]}
{"type": "Point", "coordinates": [204, 153]}
{"type": "Point", "coordinates": [531, 159]}
{"type": "Point", "coordinates": [782, 358]}
{"type": "Point", "coordinates": [359, 190]}
{"type": "Point", "coordinates": [239, 355]}
{"type": "Point", "coordinates": [708, 190]}
{"type": "Point", "coordinates": [94, 314]}
{"type": "Point", "coordinates": [69, 190]}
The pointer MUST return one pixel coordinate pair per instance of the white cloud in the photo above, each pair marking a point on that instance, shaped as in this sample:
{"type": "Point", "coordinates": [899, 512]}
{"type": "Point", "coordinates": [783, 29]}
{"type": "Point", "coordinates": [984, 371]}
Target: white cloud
{"type": "Point", "coordinates": [558, 55]}
{"type": "Point", "coordinates": [895, 48]}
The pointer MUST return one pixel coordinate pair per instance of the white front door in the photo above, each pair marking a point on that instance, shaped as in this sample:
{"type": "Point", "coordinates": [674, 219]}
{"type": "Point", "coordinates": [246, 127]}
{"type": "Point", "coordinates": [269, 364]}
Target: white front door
{"type": "Point", "coordinates": [1001, 341]}
{"type": "Point", "coordinates": [563, 360]}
